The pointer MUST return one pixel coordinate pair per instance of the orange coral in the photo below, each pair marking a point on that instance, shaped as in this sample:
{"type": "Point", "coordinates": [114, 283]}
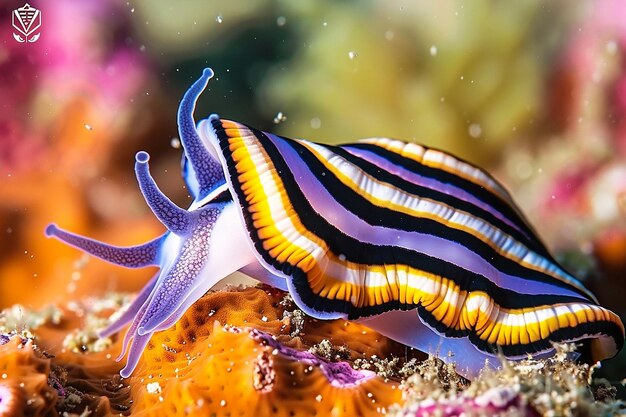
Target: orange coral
{"type": "Point", "coordinates": [199, 367]}
{"type": "Point", "coordinates": [234, 372]}
{"type": "Point", "coordinates": [240, 352]}
{"type": "Point", "coordinates": [24, 388]}
{"type": "Point", "coordinates": [264, 308]}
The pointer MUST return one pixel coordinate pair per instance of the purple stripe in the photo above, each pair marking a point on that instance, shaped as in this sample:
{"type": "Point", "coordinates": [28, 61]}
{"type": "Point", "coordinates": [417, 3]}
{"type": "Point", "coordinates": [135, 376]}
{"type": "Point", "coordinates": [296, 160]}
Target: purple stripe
{"type": "Point", "coordinates": [431, 183]}
{"type": "Point", "coordinates": [322, 202]}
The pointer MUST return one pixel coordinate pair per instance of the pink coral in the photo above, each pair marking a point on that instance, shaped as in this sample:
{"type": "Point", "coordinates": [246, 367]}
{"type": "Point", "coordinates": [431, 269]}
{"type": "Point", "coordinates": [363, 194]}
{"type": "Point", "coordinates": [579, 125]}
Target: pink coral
{"type": "Point", "coordinates": [10, 400]}
{"type": "Point", "coordinates": [494, 402]}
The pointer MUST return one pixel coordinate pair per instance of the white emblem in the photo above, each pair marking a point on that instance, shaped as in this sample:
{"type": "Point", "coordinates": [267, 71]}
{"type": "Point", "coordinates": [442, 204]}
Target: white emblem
{"type": "Point", "coordinates": [27, 21]}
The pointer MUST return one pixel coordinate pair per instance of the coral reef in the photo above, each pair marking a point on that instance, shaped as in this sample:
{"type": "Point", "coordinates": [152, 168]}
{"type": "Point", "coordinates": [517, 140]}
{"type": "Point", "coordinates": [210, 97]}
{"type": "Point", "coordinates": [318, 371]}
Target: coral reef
{"type": "Point", "coordinates": [231, 345]}
{"type": "Point", "coordinates": [551, 387]}
{"type": "Point", "coordinates": [257, 368]}
{"type": "Point", "coordinates": [235, 371]}
{"type": "Point", "coordinates": [24, 387]}
{"type": "Point", "coordinates": [248, 351]}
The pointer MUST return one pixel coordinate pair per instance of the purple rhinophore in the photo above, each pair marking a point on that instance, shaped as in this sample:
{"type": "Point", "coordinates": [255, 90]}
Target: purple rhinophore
{"type": "Point", "coordinates": [201, 171]}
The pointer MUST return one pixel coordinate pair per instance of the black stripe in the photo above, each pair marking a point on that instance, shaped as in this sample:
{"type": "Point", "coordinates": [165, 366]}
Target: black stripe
{"type": "Point", "coordinates": [392, 219]}
{"type": "Point", "coordinates": [222, 197]}
{"type": "Point", "coordinates": [438, 196]}
{"type": "Point", "coordinates": [365, 253]}
{"type": "Point", "coordinates": [483, 194]}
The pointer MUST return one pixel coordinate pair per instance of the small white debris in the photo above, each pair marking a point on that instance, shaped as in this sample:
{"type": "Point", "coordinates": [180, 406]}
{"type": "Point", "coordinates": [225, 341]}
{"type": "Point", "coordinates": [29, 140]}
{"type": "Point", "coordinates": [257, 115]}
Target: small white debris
{"type": "Point", "coordinates": [219, 18]}
{"type": "Point", "coordinates": [223, 403]}
{"type": "Point", "coordinates": [175, 143]}
{"type": "Point", "coordinates": [88, 127]}
{"type": "Point", "coordinates": [433, 50]}
{"type": "Point", "coordinates": [318, 398]}
{"type": "Point", "coordinates": [264, 318]}
{"type": "Point", "coordinates": [153, 388]}
{"type": "Point", "coordinates": [279, 118]}
{"type": "Point", "coordinates": [352, 54]}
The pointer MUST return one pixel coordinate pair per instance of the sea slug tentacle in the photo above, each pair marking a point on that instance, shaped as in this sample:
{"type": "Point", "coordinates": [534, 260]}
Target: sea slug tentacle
{"type": "Point", "coordinates": [176, 219]}
{"type": "Point", "coordinates": [201, 170]}
{"type": "Point", "coordinates": [132, 311]}
{"type": "Point", "coordinates": [130, 257]}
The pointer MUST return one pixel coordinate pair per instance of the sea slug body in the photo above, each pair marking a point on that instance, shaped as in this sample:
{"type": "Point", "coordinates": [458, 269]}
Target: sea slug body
{"type": "Point", "coordinates": [419, 245]}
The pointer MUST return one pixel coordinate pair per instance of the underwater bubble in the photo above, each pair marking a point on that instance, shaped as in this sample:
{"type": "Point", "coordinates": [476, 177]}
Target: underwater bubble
{"type": "Point", "coordinates": [279, 118]}
{"type": "Point", "coordinates": [433, 50]}
{"type": "Point", "coordinates": [352, 54]}
{"type": "Point", "coordinates": [219, 18]}
{"type": "Point", "coordinates": [611, 47]}
{"type": "Point", "coordinates": [475, 130]}
{"type": "Point", "coordinates": [175, 143]}
{"type": "Point", "coordinates": [316, 123]}
{"type": "Point", "coordinates": [281, 20]}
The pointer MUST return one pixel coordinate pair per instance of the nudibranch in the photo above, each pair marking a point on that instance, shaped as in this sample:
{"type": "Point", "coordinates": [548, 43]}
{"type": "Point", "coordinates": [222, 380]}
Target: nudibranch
{"type": "Point", "coordinates": [421, 246]}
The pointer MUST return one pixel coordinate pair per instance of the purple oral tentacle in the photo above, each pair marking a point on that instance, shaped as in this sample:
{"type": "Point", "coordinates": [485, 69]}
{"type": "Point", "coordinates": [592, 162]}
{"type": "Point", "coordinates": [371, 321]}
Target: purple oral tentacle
{"type": "Point", "coordinates": [169, 297]}
{"type": "Point", "coordinates": [131, 256]}
{"type": "Point", "coordinates": [131, 333]}
{"type": "Point", "coordinates": [173, 217]}
{"type": "Point", "coordinates": [207, 171]}
{"type": "Point", "coordinates": [179, 280]}
{"type": "Point", "coordinates": [132, 310]}
{"type": "Point", "coordinates": [215, 249]}
{"type": "Point", "coordinates": [136, 349]}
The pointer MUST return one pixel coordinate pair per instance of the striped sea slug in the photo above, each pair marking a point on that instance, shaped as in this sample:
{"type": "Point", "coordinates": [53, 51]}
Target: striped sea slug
{"type": "Point", "coordinates": [416, 243]}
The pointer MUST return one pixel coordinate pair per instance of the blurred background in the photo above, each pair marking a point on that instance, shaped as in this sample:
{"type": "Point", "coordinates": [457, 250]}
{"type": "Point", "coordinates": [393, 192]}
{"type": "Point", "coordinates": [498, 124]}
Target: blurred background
{"type": "Point", "coordinates": [533, 91]}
